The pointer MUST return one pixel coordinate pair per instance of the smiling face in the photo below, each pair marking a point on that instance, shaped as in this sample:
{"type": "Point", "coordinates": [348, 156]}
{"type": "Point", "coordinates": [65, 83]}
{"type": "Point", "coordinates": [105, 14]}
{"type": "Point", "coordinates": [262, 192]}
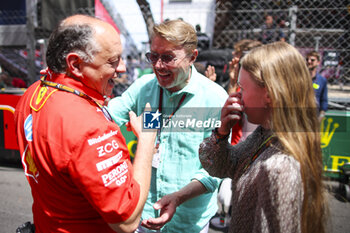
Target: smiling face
{"type": "Point", "coordinates": [312, 62]}
{"type": "Point", "coordinates": [255, 99]}
{"type": "Point", "coordinates": [173, 75]}
{"type": "Point", "coordinates": [107, 63]}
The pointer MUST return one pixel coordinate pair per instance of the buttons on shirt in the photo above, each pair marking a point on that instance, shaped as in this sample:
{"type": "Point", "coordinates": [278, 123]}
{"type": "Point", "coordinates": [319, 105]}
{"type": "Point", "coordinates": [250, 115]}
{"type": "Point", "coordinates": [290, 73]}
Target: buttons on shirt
{"type": "Point", "coordinates": [159, 181]}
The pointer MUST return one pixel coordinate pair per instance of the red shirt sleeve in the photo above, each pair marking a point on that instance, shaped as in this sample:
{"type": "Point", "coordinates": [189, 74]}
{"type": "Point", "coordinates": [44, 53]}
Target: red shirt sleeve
{"type": "Point", "coordinates": [102, 170]}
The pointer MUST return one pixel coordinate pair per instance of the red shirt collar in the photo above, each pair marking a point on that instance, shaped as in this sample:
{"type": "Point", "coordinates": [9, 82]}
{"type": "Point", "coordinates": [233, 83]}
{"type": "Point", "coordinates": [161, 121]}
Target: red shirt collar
{"type": "Point", "coordinates": [75, 84]}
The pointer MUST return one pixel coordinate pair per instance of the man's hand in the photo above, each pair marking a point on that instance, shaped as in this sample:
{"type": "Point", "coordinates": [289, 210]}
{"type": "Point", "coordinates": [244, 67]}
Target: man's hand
{"type": "Point", "coordinates": [135, 123]}
{"type": "Point", "coordinates": [142, 167]}
{"type": "Point", "coordinates": [321, 116]}
{"type": "Point", "coordinates": [170, 202]}
{"type": "Point", "coordinates": [167, 206]}
{"type": "Point", "coordinates": [233, 70]}
{"type": "Point", "coordinates": [210, 73]}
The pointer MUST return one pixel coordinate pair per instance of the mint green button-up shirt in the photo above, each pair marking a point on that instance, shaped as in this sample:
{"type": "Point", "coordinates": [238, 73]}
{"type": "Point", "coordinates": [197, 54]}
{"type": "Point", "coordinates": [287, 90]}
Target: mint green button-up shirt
{"type": "Point", "coordinates": [179, 142]}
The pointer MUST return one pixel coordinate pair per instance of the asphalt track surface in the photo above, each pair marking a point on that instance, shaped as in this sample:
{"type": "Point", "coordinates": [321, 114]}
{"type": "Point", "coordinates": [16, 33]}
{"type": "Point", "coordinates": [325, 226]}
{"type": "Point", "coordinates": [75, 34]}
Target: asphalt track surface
{"type": "Point", "coordinates": [16, 201]}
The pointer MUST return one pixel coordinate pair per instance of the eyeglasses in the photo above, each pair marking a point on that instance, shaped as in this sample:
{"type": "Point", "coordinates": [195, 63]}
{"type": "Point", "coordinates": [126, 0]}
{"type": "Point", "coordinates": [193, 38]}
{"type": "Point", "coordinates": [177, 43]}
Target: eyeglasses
{"type": "Point", "coordinates": [165, 58]}
{"type": "Point", "coordinates": [310, 59]}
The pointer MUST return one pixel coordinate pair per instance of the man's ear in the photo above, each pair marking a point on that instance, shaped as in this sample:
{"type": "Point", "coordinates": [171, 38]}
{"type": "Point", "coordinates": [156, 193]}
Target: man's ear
{"type": "Point", "coordinates": [194, 56]}
{"type": "Point", "coordinates": [74, 64]}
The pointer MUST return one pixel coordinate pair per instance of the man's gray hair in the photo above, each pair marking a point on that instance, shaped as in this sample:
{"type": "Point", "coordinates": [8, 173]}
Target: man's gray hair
{"type": "Point", "coordinates": [77, 38]}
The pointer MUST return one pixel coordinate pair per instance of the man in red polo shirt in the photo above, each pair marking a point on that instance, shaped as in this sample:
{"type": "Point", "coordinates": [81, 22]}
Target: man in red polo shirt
{"type": "Point", "coordinates": [75, 158]}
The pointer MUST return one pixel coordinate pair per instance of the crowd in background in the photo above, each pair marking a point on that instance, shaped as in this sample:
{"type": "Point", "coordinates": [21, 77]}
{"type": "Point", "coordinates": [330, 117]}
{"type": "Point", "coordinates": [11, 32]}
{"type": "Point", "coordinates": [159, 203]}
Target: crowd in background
{"type": "Point", "coordinates": [7, 81]}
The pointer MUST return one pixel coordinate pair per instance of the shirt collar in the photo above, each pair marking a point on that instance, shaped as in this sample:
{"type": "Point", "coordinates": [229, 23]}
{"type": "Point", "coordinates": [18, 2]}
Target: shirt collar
{"type": "Point", "coordinates": [75, 84]}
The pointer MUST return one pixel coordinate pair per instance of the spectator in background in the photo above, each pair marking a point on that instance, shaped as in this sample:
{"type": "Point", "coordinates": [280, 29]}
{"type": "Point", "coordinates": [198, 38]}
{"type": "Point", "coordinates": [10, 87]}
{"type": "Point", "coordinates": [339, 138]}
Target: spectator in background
{"type": "Point", "coordinates": [18, 82]}
{"type": "Point", "coordinates": [218, 59]}
{"type": "Point", "coordinates": [183, 197]}
{"type": "Point", "coordinates": [127, 78]}
{"type": "Point", "coordinates": [121, 84]}
{"type": "Point", "coordinates": [131, 70]}
{"type": "Point", "coordinates": [319, 82]}
{"type": "Point", "coordinates": [5, 80]}
{"type": "Point", "coordinates": [241, 48]}
{"type": "Point", "coordinates": [270, 32]}
{"type": "Point", "coordinates": [203, 39]}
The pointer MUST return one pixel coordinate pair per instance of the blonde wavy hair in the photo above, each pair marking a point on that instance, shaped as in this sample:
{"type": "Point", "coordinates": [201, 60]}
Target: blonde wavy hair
{"type": "Point", "coordinates": [282, 70]}
{"type": "Point", "coordinates": [178, 32]}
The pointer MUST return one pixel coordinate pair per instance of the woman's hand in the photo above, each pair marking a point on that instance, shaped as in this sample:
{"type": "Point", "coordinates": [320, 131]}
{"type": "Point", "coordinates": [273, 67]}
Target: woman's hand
{"type": "Point", "coordinates": [231, 113]}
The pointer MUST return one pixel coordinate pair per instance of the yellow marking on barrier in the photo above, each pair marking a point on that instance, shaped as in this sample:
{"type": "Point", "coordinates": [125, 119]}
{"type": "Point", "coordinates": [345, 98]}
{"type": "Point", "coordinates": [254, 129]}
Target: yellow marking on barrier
{"type": "Point", "coordinates": [338, 161]}
{"type": "Point", "coordinates": [327, 133]}
{"type": "Point", "coordinates": [7, 108]}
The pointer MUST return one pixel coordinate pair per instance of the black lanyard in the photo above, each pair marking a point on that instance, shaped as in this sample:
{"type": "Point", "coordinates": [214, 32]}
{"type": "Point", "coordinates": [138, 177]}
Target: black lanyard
{"type": "Point", "coordinates": [160, 107]}
{"type": "Point", "coordinates": [78, 93]}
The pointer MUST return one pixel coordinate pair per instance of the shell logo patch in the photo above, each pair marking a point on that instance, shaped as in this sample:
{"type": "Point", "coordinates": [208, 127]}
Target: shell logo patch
{"type": "Point", "coordinates": [30, 168]}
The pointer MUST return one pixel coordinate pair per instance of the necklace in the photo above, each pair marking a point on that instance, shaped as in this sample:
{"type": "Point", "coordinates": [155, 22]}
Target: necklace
{"type": "Point", "coordinates": [261, 148]}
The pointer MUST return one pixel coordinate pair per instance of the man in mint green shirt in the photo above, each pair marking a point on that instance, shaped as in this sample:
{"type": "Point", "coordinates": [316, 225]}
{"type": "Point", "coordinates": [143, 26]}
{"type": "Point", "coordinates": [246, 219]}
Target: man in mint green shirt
{"type": "Point", "coordinates": [182, 197]}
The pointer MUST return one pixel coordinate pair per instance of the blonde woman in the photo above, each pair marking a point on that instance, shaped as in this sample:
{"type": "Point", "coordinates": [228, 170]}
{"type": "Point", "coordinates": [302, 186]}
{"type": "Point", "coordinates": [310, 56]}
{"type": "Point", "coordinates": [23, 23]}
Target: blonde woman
{"type": "Point", "coordinates": [277, 170]}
